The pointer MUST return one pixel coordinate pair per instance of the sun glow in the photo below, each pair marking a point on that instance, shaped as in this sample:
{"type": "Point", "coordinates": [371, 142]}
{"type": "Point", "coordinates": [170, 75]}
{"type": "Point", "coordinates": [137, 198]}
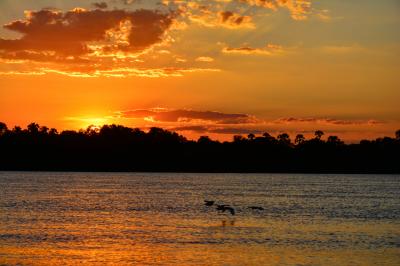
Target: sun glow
{"type": "Point", "coordinates": [86, 122]}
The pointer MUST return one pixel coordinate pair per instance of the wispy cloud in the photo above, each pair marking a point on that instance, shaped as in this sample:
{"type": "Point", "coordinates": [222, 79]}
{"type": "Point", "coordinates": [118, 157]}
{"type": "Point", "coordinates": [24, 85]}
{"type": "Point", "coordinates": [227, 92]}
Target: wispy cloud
{"type": "Point", "coordinates": [327, 121]}
{"type": "Point", "coordinates": [207, 17]}
{"type": "Point", "coordinates": [187, 116]}
{"type": "Point", "coordinates": [115, 72]}
{"type": "Point", "coordinates": [268, 50]}
{"type": "Point", "coordinates": [204, 59]}
{"type": "Point", "coordinates": [299, 9]}
{"type": "Point", "coordinates": [343, 49]}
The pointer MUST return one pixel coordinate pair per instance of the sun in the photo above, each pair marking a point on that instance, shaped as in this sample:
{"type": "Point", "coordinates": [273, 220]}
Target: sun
{"type": "Point", "coordinates": [94, 121]}
{"type": "Point", "coordinates": [83, 122]}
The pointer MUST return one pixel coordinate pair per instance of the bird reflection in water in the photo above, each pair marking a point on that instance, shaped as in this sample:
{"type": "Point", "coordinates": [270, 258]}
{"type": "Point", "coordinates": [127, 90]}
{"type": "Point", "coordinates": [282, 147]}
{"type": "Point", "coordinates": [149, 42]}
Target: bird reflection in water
{"type": "Point", "coordinates": [225, 223]}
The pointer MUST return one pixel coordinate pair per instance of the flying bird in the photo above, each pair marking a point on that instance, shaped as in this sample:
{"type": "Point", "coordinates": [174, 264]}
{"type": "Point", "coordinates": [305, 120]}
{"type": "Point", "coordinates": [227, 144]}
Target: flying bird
{"type": "Point", "coordinates": [230, 209]}
{"type": "Point", "coordinates": [209, 202]}
{"type": "Point", "coordinates": [221, 207]}
{"type": "Point", "coordinates": [224, 208]}
{"type": "Point", "coordinates": [256, 208]}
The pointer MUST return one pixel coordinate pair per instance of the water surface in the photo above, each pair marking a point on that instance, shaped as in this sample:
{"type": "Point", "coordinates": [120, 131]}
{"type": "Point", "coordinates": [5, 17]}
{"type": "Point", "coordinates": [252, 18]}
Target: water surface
{"type": "Point", "coordinates": [160, 219]}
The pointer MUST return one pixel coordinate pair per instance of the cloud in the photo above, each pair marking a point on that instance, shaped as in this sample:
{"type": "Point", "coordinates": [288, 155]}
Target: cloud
{"type": "Point", "coordinates": [199, 128]}
{"type": "Point", "coordinates": [236, 130]}
{"type": "Point", "coordinates": [129, 2]}
{"type": "Point", "coordinates": [85, 37]}
{"type": "Point", "coordinates": [225, 19]}
{"type": "Point", "coordinates": [102, 41]}
{"type": "Point", "coordinates": [327, 121]}
{"type": "Point", "coordinates": [219, 130]}
{"type": "Point", "coordinates": [222, 125]}
{"type": "Point", "coordinates": [299, 9]}
{"type": "Point", "coordinates": [204, 59]}
{"type": "Point", "coordinates": [268, 50]}
{"type": "Point", "coordinates": [114, 73]}
{"type": "Point", "coordinates": [101, 5]}
{"type": "Point", "coordinates": [187, 116]}
{"type": "Point", "coordinates": [344, 49]}
{"type": "Point", "coordinates": [324, 15]}
{"type": "Point", "coordinates": [83, 32]}
{"type": "Point", "coordinates": [233, 20]}
{"type": "Point", "coordinates": [22, 73]}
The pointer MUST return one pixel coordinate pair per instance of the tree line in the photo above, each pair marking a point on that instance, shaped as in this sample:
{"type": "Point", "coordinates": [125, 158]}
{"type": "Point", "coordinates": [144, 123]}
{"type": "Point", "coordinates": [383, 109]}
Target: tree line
{"type": "Point", "coordinates": [120, 148]}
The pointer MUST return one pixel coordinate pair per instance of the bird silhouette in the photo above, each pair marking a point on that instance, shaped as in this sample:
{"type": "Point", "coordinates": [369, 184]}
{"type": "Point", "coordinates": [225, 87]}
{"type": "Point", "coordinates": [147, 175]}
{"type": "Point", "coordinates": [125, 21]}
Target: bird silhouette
{"type": "Point", "coordinates": [221, 207]}
{"type": "Point", "coordinates": [209, 202]}
{"type": "Point", "coordinates": [256, 208]}
{"type": "Point", "coordinates": [224, 208]}
{"type": "Point", "coordinates": [230, 209]}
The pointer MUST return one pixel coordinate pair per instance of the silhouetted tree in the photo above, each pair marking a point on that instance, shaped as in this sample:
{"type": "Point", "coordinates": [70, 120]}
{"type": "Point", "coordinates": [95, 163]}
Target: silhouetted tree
{"type": "Point", "coordinates": [92, 130]}
{"type": "Point", "coordinates": [33, 128]}
{"type": "Point", "coordinates": [204, 140]}
{"type": "Point", "coordinates": [3, 128]}
{"type": "Point", "coordinates": [238, 139]}
{"type": "Point", "coordinates": [318, 134]}
{"type": "Point", "coordinates": [17, 129]}
{"type": "Point", "coordinates": [334, 140]}
{"type": "Point", "coordinates": [44, 130]}
{"type": "Point", "coordinates": [268, 138]}
{"type": "Point", "coordinates": [299, 139]}
{"type": "Point", "coordinates": [53, 132]}
{"type": "Point", "coordinates": [267, 135]}
{"type": "Point", "coordinates": [251, 136]}
{"type": "Point", "coordinates": [284, 139]}
{"type": "Point", "coordinates": [119, 148]}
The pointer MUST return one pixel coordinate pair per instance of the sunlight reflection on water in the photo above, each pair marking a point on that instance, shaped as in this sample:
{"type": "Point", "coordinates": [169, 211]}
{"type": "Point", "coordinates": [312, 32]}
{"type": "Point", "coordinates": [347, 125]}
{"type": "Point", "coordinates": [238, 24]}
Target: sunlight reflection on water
{"type": "Point", "coordinates": [160, 219]}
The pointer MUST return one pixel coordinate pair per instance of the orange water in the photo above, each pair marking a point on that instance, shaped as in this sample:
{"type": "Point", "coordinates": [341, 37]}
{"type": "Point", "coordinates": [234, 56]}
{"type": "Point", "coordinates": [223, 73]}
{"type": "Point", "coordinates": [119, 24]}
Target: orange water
{"type": "Point", "coordinates": [160, 219]}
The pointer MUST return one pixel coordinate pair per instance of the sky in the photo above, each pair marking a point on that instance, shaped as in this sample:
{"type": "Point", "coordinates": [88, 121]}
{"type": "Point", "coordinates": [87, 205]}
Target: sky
{"type": "Point", "coordinates": [217, 67]}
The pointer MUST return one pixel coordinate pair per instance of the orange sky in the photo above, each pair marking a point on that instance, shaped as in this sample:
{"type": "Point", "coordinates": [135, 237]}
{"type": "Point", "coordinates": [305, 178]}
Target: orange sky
{"type": "Point", "coordinates": [214, 68]}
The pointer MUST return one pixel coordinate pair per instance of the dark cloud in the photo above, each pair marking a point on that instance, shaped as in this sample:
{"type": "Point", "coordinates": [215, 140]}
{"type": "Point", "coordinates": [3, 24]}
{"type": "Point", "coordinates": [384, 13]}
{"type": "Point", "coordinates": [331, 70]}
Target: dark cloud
{"type": "Point", "coordinates": [268, 50]}
{"type": "Point", "coordinates": [219, 130]}
{"type": "Point", "coordinates": [236, 131]}
{"type": "Point", "coordinates": [162, 115]}
{"type": "Point", "coordinates": [198, 129]}
{"type": "Point", "coordinates": [330, 121]}
{"type": "Point", "coordinates": [101, 5]}
{"type": "Point", "coordinates": [234, 20]}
